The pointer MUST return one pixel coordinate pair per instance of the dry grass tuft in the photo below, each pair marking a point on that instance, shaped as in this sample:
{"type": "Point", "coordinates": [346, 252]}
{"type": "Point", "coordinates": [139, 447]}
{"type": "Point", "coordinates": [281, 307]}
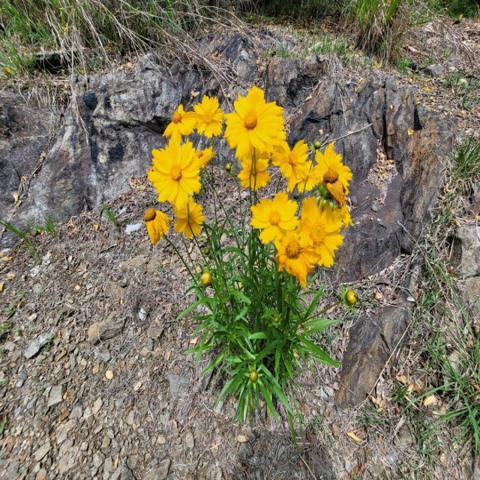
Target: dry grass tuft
{"type": "Point", "coordinates": [381, 25]}
{"type": "Point", "coordinates": [90, 34]}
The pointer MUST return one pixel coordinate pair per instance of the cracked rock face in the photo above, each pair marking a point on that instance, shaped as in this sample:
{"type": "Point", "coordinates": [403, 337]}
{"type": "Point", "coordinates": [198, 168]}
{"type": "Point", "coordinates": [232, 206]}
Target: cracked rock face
{"type": "Point", "coordinates": [396, 153]}
{"type": "Point", "coordinates": [24, 138]}
{"type": "Point", "coordinates": [364, 360]}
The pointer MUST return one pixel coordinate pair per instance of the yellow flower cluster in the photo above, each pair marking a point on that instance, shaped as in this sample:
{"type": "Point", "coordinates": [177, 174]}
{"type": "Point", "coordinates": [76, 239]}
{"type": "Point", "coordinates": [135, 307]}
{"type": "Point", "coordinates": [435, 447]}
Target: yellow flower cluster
{"type": "Point", "coordinates": [175, 171]}
{"type": "Point", "coordinates": [304, 234]}
{"type": "Point", "coordinates": [256, 130]}
{"type": "Point", "coordinates": [301, 242]}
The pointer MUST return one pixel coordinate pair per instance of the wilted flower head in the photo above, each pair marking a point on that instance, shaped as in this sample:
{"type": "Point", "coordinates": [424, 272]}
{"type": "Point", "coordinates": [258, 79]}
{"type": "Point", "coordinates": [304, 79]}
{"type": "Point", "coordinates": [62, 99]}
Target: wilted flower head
{"type": "Point", "coordinates": [156, 223]}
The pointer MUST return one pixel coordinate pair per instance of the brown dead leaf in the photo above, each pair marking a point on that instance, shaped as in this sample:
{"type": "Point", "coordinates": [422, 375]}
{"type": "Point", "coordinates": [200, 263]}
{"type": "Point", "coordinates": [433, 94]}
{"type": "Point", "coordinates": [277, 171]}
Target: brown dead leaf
{"type": "Point", "coordinates": [355, 438]}
{"type": "Point", "coordinates": [379, 404]}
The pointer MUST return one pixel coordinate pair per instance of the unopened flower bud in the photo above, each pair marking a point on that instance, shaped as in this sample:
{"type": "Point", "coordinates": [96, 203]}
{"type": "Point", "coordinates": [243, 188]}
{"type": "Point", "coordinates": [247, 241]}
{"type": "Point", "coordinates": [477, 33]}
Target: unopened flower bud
{"type": "Point", "coordinates": [317, 145]}
{"type": "Point", "coordinates": [351, 297]}
{"type": "Point", "coordinates": [228, 167]}
{"type": "Point", "coordinates": [206, 279]}
{"type": "Point", "coordinates": [322, 190]}
{"type": "Point", "coordinates": [253, 376]}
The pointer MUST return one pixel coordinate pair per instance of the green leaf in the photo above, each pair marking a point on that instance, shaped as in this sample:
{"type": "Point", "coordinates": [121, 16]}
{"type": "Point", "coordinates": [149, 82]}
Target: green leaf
{"type": "Point", "coordinates": [229, 388]}
{"type": "Point", "coordinates": [234, 360]}
{"type": "Point", "coordinates": [190, 308]}
{"type": "Point", "coordinates": [239, 296]}
{"type": "Point", "coordinates": [319, 353]}
{"type": "Point", "coordinates": [242, 314]}
{"type": "Point", "coordinates": [236, 250]}
{"type": "Point", "coordinates": [249, 354]}
{"type": "Point", "coordinates": [214, 363]}
{"type": "Point", "coordinates": [12, 229]}
{"type": "Point", "coordinates": [266, 351]}
{"type": "Point", "coordinates": [277, 389]}
{"type": "Point", "coordinates": [313, 304]}
{"type": "Point", "coordinates": [268, 399]}
{"type": "Point", "coordinates": [258, 336]}
{"type": "Point", "coordinates": [315, 326]}
{"type": "Point", "coordinates": [278, 356]}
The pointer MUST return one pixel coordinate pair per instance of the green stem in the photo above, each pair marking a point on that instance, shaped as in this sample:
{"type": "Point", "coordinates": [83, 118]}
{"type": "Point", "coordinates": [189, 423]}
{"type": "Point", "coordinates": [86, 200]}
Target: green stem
{"type": "Point", "coordinates": [179, 255]}
{"type": "Point", "coordinates": [227, 216]}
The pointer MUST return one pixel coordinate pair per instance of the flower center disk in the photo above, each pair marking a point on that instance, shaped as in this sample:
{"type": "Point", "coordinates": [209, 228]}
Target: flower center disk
{"type": "Point", "coordinates": [318, 235]}
{"type": "Point", "coordinates": [176, 173]}
{"type": "Point", "coordinates": [274, 218]}
{"type": "Point", "coordinates": [150, 215]}
{"type": "Point", "coordinates": [177, 117]}
{"type": "Point", "coordinates": [250, 120]}
{"type": "Point", "coordinates": [293, 249]}
{"type": "Point", "coordinates": [331, 176]}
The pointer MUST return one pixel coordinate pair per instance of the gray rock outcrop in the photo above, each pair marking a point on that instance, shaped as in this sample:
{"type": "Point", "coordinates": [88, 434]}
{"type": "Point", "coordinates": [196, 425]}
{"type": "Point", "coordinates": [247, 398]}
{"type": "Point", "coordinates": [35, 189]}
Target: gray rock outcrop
{"type": "Point", "coordinates": [396, 150]}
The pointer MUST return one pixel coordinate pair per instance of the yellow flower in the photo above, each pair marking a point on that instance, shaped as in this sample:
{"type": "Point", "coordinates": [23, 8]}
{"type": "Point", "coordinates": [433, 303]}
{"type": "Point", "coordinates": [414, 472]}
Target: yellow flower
{"type": "Point", "coordinates": [189, 219]}
{"type": "Point", "coordinates": [157, 224]}
{"type": "Point", "coordinates": [293, 163]}
{"type": "Point", "coordinates": [323, 230]}
{"type": "Point", "coordinates": [336, 175]}
{"type": "Point", "coordinates": [295, 255]}
{"type": "Point", "coordinates": [255, 124]}
{"type": "Point", "coordinates": [209, 116]}
{"type": "Point", "coordinates": [175, 172]}
{"type": "Point", "coordinates": [254, 174]}
{"type": "Point", "coordinates": [274, 217]}
{"type": "Point", "coordinates": [204, 156]}
{"type": "Point", "coordinates": [183, 123]}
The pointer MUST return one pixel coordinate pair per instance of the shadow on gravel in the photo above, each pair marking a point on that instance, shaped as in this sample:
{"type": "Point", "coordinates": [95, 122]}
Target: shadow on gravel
{"type": "Point", "coordinates": [273, 456]}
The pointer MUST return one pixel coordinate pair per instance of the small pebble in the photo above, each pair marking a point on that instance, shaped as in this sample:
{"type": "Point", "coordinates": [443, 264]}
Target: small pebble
{"type": "Point", "coordinates": [242, 439]}
{"type": "Point", "coordinates": [97, 406]}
